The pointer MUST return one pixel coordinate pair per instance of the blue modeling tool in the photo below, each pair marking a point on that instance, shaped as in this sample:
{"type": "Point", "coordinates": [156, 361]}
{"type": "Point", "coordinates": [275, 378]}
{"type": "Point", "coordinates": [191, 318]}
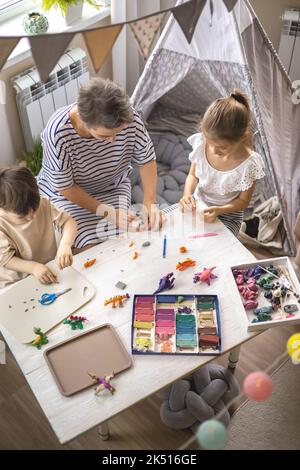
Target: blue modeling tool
{"type": "Point", "coordinates": [165, 246]}
{"type": "Point", "coordinates": [48, 299]}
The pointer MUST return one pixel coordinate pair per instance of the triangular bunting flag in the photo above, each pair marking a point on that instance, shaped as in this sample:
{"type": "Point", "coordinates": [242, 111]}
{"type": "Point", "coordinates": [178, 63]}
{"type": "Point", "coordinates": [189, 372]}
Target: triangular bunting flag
{"type": "Point", "coordinates": [99, 43]}
{"type": "Point", "coordinates": [230, 4]}
{"type": "Point", "coordinates": [187, 16]}
{"type": "Point", "coordinates": [7, 45]}
{"type": "Point", "coordinates": [144, 32]}
{"type": "Point", "coordinates": [46, 50]}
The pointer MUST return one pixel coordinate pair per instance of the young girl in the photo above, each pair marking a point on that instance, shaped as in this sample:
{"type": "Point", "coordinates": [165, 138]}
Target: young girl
{"type": "Point", "coordinates": [27, 237]}
{"type": "Point", "coordinates": [224, 165]}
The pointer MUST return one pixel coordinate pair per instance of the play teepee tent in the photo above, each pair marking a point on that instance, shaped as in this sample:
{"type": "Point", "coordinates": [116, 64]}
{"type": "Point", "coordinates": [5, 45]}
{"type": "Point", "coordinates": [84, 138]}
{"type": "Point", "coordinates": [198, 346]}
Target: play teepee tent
{"type": "Point", "coordinates": [228, 50]}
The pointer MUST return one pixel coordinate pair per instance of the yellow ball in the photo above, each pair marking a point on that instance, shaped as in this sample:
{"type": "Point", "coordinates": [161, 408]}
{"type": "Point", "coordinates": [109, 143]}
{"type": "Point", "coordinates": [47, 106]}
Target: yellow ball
{"type": "Point", "coordinates": [293, 348]}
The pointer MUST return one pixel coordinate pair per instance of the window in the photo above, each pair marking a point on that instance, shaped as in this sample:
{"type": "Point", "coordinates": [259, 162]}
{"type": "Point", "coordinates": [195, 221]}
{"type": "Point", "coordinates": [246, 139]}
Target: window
{"type": "Point", "coordinates": [11, 8]}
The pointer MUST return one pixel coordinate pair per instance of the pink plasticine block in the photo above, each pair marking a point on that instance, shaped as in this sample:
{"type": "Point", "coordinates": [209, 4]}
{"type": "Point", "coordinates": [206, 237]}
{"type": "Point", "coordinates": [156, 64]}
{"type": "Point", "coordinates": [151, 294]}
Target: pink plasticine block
{"type": "Point", "coordinates": [170, 323]}
{"type": "Point", "coordinates": [165, 330]}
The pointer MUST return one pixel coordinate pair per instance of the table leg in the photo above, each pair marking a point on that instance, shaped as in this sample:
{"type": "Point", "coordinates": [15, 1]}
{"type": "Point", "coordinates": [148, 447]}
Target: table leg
{"type": "Point", "coordinates": [103, 431]}
{"type": "Point", "coordinates": [234, 357]}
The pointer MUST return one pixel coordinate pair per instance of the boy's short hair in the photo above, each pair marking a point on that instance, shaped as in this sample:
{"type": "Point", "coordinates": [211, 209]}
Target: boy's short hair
{"type": "Point", "coordinates": [19, 192]}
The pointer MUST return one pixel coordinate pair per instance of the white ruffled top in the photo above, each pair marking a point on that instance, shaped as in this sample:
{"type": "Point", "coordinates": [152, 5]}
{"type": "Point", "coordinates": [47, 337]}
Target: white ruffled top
{"type": "Point", "coordinates": [220, 187]}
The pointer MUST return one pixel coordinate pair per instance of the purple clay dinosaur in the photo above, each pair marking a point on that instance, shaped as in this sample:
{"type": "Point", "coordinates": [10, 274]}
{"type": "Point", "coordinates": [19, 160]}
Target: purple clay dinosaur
{"type": "Point", "coordinates": [165, 283]}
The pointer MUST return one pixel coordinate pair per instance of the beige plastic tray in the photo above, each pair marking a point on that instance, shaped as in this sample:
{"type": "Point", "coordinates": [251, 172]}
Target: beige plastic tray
{"type": "Point", "coordinates": [98, 351]}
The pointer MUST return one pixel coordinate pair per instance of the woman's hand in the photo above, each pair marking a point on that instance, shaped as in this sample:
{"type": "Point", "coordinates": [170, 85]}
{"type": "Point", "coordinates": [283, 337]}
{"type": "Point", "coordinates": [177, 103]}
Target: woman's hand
{"type": "Point", "coordinates": [211, 213]}
{"type": "Point", "coordinates": [152, 216]}
{"type": "Point", "coordinates": [64, 255]}
{"type": "Point", "coordinates": [187, 204]}
{"type": "Point", "coordinates": [43, 274]}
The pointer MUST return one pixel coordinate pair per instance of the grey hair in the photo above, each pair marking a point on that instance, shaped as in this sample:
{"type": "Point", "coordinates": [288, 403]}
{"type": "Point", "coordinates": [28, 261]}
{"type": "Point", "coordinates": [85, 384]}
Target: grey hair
{"type": "Point", "coordinates": [103, 103]}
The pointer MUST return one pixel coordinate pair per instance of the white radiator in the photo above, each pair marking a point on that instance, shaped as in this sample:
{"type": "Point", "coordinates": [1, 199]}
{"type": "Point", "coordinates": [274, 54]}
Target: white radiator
{"type": "Point", "coordinates": [37, 101]}
{"type": "Point", "coordinates": [289, 47]}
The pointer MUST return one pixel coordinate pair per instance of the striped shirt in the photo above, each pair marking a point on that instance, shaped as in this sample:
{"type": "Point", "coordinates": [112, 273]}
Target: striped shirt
{"type": "Point", "coordinates": [99, 167]}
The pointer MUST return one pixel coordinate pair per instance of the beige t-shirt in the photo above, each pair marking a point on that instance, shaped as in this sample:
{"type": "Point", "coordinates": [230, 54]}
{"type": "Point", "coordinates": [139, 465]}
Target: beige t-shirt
{"type": "Point", "coordinates": [33, 241]}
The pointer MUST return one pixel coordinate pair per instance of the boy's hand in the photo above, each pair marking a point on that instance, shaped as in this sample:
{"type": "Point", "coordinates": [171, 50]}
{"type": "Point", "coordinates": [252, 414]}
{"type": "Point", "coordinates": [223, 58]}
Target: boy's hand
{"type": "Point", "coordinates": [211, 213]}
{"type": "Point", "coordinates": [64, 256]}
{"type": "Point", "coordinates": [44, 274]}
{"type": "Point", "coordinates": [187, 203]}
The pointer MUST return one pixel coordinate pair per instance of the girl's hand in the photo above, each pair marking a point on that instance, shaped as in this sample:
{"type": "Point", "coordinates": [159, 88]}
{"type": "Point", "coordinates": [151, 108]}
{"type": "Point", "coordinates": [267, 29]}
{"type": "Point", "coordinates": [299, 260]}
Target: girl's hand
{"type": "Point", "coordinates": [44, 274]}
{"type": "Point", "coordinates": [64, 256]}
{"type": "Point", "coordinates": [211, 213]}
{"type": "Point", "coordinates": [187, 203]}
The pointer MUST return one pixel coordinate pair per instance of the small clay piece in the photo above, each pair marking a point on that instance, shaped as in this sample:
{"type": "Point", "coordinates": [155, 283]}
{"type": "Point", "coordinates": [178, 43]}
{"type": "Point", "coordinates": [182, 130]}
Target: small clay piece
{"type": "Point", "coordinates": [184, 309]}
{"type": "Point", "coordinates": [40, 339]}
{"type": "Point", "coordinates": [239, 279]}
{"type": "Point", "coordinates": [131, 244]}
{"type": "Point", "coordinates": [32, 300]}
{"type": "Point", "coordinates": [26, 310]}
{"type": "Point", "coordinates": [205, 276]}
{"type": "Point", "coordinates": [180, 299]}
{"type": "Point", "coordinates": [75, 322]}
{"type": "Point", "coordinates": [182, 266]}
{"type": "Point", "coordinates": [120, 285]}
{"type": "Point", "coordinates": [103, 383]}
{"type": "Point", "coordinates": [262, 317]}
{"type": "Point", "coordinates": [263, 310]}
{"type": "Point", "coordinates": [165, 283]}
{"type": "Point", "coordinates": [250, 304]}
{"type": "Point", "coordinates": [290, 308]}
{"type": "Point", "coordinates": [135, 255]}
{"type": "Point", "coordinates": [89, 263]}
{"type": "Point", "coordinates": [9, 306]}
{"type": "Point", "coordinates": [268, 295]}
{"type": "Point", "coordinates": [183, 249]}
{"type": "Point", "coordinates": [117, 300]}
{"type": "Point", "coordinates": [146, 243]}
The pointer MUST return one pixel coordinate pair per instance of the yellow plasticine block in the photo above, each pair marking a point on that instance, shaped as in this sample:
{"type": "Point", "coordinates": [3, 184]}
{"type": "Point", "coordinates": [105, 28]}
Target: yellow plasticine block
{"type": "Point", "coordinates": [143, 324]}
{"type": "Point", "coordinates": [144, 342]}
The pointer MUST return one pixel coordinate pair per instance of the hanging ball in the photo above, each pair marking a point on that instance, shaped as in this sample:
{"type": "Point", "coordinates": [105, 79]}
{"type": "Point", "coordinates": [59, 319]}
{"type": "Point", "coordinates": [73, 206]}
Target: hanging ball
{"type": "Point", "coordinates": [293, 348]}
{"type": "Point", "coordinates": [212, 435]}
{"type": "Point", "coordinates": [258, 386]}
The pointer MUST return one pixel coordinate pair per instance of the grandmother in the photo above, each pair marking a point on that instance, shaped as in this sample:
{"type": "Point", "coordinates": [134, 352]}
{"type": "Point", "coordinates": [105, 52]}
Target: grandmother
{"type": "Point", "coordinates": [88, 149]}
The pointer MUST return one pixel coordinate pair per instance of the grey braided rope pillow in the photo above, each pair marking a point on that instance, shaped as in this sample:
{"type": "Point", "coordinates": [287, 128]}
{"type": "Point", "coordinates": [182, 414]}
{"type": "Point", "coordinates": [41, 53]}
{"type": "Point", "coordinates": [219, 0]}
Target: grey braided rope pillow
{"type": "Point", "coordinates": [190, 401]}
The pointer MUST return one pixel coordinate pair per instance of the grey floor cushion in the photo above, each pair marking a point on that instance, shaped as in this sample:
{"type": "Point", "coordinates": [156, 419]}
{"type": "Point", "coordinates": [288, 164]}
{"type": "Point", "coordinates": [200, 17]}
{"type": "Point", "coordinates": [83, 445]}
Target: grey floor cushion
{"type": "Point", "coordinates": [190, 401]}
{"type": "Point", "coordinates": [172, 152]}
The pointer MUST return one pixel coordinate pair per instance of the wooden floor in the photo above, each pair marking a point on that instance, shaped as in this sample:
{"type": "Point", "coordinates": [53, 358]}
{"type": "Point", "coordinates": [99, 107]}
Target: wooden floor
{"type": "Point", "coordinates": [24, 426]}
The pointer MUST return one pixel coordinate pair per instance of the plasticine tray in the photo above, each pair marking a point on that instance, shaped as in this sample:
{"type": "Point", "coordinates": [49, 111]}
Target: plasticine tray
{"type": "Point", "coordinates": [176, 324]}
{"type": "Point", "coordinates": [99, 351]}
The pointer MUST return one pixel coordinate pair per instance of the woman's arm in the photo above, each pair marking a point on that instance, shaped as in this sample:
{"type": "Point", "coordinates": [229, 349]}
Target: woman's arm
{"type": "Point", "coordinates": [81, 198]}
{"type": "Point", "coordinates": [152, 215]}
{"type": "Point", "coordinates": [238, 204]}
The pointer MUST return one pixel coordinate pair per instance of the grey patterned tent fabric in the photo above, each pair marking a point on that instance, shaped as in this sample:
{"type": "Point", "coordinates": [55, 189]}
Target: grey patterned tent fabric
{"type": "Point", "coordinates": [232, 51]}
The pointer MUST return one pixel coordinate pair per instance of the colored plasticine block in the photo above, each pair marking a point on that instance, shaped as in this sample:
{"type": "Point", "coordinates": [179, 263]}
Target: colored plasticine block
{"type": "Point", "coordinates": [209, 340]}
{"type": "Point", "coordinates": [165, 330]}
{"type": "Point", "coordinates": [143, 324]}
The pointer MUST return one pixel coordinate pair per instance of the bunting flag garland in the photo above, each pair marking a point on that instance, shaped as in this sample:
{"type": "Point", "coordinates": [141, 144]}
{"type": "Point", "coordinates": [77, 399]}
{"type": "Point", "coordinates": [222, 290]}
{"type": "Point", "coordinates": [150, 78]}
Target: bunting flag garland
{"type": "Point", "coordinates": [47, 48]}
{"type": "Point", "coordinates": [7, 45]}
{"type": "Point", "coordinates": [230, 4]}
{"type": "Point", "coordinates": [99, 43]}
{"type": "Point", "coordinates": [46, 51]}
{"type": "Point", "coordinates": [187, 15]}
{"type": "Point", "coordinates": [145, 30]}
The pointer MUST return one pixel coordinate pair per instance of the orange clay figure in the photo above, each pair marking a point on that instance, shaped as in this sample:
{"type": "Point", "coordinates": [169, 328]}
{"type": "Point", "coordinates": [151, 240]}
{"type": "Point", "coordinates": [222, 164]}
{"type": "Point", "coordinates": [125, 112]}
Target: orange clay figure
{"type": "Point", "coordinates": [135, 255]}
{"type": "Point", "coordinates": [131, 244]}
{"type": "Point", "coordinates": [183, 249]}
{"type": "Point", "coordinates": [89, 263]}
{"type": "Point", "coordinates": [167, 346]}
{"type": "Point", "coordinates": [117, 300]}
{"type": "Point", "coordinates": [182, 266]}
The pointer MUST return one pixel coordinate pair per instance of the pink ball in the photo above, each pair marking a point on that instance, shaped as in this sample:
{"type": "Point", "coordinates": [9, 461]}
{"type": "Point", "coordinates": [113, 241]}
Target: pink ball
{"type": "Point", "coordinates": [258, 386]}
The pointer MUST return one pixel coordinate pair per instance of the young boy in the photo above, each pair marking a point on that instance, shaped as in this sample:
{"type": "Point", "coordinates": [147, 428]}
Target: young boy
{"type": "Point", "coordinates": [27, 237]}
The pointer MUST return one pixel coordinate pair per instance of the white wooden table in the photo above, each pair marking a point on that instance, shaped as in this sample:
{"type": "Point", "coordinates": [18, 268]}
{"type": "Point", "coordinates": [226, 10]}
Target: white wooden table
{"type": "Point", "coordinates": [72, 416]}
